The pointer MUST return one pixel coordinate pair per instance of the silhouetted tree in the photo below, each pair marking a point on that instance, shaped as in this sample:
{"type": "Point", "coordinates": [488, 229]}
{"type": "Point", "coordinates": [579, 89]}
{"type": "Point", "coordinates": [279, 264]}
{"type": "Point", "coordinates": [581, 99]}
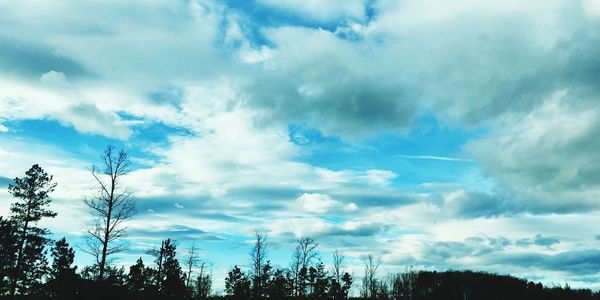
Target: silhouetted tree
{"type": "Point", "coordinates": [115, 281]}
{"type": "Point", "coordinates": [304, 254]}
{"type": "Point", "coordinates": [203, 283]}
{"type": "Point", "coordinates": [369, 287]}
{"type": "Point", "coordinates": [280, 285]}
{"type": "Point", "coordinates": [237, 284]}
{"type": "Point", "coordinates": [173, 279]}
{"type": "Point", "coordinates": [341, 281]}
{"type": "Point", "coordinates": [64, 279]}
{"type": "Point", "coordinates": [8, 253]}
{"type": "Point", "coordinates": [139, 279]}
{"type": "Point", "coordinates": [258, 260]}
{"type": "Point", "coordinates": [319, 281]}
{"type": "Point", "coordinates": [32, 191]}
{"type": "Point", "coordinates": [403, 285]}
{"type": "Point", "coordinates": [112, 206]}
{"type": "Point", "coordinates": [338, 265]}
{"type": "Point", "coordinates": [192, 259]}
{"type": "Point", "coordinates": [346, 285]}
{"type": "Point", "coordinates": [158, 255]}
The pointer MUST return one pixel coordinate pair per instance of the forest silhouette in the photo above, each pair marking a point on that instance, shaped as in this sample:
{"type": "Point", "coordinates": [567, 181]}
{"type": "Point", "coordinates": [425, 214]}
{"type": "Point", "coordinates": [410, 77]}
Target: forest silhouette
{"type": "Point", "coordinates": [32, 266]}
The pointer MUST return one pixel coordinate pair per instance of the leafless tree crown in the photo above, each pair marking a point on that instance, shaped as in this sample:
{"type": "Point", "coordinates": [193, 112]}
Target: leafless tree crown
{"type": "Point", "coordinates": [112, 206]}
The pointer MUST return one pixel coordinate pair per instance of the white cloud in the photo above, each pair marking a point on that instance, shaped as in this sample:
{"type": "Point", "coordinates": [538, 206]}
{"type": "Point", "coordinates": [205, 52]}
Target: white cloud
{"type": "Point", "coordinates": [547, 158]}
{"type": "Point", "coordinates": [53, 78]}
{"type": "Point", "coordinates": [493, 65]}
{"type": "Point", "coordinates": [321, 204]}
{"type": "Point", "coordinates": [591, 8]}
{"type": "Point", "coordinates": [316, 203]}
{"type": "Point", "coordinates": [87, 118]}
{"type": "Point", "coordinates": [379, 177]}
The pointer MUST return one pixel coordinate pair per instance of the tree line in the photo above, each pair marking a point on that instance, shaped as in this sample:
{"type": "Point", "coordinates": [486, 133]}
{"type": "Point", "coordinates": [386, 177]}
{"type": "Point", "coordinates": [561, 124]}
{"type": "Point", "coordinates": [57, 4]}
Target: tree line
{"type": "Point", "coordinates": [33, 266]}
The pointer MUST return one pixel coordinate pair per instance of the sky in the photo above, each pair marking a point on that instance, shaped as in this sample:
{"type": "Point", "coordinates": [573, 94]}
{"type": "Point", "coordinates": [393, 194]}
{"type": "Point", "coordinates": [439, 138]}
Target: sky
{"type": "Point", "coordinates": [434, 134]}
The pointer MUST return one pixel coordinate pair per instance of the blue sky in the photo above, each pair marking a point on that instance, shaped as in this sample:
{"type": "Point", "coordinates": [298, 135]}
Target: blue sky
{"type": "Point", "coordinates": [431, 133]}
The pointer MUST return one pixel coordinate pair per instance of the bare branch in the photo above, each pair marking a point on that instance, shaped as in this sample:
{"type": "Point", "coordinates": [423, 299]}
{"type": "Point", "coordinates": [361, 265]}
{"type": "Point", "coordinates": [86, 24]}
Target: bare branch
{"type": "Point", "coordinates": [112, 207]}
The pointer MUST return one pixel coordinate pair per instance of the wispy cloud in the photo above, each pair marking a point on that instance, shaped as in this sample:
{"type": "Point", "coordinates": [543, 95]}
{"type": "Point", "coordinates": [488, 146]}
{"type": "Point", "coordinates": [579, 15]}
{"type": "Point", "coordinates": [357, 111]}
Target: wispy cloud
{"type": "Point", "coordinates": [431, 157]}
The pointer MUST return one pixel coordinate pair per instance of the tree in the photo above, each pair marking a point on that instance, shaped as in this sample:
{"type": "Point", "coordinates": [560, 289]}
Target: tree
{"type": "Point", "coordinates": [112, 206]}
{"type": "Point", "coordinates": [139, 278]}
{"type": "Point", "coordinates": [346, 285]}
{"type": "Point", "coordinates": [237, 285]}
{"type": "Point", "coordinates": [337, 269]}
{"type": "Point", "coordinates": [319, 281]}
{"type": "Point", "coordinates": [341, 281]}
{"type": "Point", "coordinates": [33, 193]}
{"type": "Point", "coordinates": [158, 259]}
{"type": "Point", "coordinates": [64, 278]}
{"type": "Point", "coordinates": [258, 259]}
{"type": "Point", "coordinates": [370, 286]}
{"type": "Point", "coordinates": [173, 279]}
{"type": "Point", "coordinates": [203, 284]}
{"type": "Point", "coordinates": [191, 260]}
{"type": "Point", "coordinates": [8, 253]}
{"type": "Point", "coordinates": [280, 285]}
{"type": "Point", "coordinates": [304, 254]}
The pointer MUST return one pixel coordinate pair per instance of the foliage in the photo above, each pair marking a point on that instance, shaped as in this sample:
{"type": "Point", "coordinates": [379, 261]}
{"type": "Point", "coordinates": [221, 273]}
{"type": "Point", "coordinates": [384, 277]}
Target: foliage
{"type": "Point", "coordinates": [63, 276]}
{"type": "Point", "coordinates": [30, 265]}
{"type": "Point", "coordinates": [237, 284]}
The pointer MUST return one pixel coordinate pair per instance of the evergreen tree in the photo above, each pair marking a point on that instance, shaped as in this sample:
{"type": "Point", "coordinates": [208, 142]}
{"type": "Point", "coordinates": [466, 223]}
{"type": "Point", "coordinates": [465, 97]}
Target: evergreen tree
{"type": "Point", "coordinates": [319, 281]}
{"type": "Point", "coordinates": [138, 278]}
{"type": "Point", "coordinates": [8, 253]}
{"type": "Point", "coordinates": [173, 279]}
{"type": "Point", "coordinates": [260, 282]}
{"type": "Point", "coordinates": [346, 285]}
{"type": "Point", "coordinates": [30, 263]}
{"type": "Point", "coordinates": [63, 279]}
{"type": "Point", "coordinates": [237, 284]}
{"type": "Point", "coordinates": [281, 285]}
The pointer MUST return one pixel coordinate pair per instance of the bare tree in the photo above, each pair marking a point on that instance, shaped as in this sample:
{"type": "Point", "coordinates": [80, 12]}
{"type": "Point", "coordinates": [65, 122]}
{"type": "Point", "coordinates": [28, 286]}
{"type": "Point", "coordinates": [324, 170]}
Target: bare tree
{"type": "Point", "coordinates": [192, 259]}
{"type": "Point", "coordinates": [258, 258]}
{"type": "Point", "coordinates": [304, 254]}
{"type": "Point", "coordinates": [338, 265]}
{"type": "Point", "coordinates": [369, 288]}
{"type": "Point", "coordinates": [112, 206]}
{"type": "Point", "coordinates": [204, 280]}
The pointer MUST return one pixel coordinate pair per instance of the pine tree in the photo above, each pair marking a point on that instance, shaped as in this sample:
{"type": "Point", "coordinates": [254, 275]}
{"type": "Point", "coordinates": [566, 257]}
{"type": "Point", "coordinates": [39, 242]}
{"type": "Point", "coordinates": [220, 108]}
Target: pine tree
{"type": "Point", "coordinates": [281, 285]}
{"type": "Point", "coordinates": [237, 284]}
{"type": "Point", "coordinates": [173, 280]}
{"type": "Point", "coordinates": [63, 275]}
{"type": "Point", "coordinates": [32, 191]}
{"type": "Point", "coordinates": [8, 253]}
{"type": "Point", "coordinates": [136, 279]}
{"type": "Point", "coordinates": [319, 281]}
